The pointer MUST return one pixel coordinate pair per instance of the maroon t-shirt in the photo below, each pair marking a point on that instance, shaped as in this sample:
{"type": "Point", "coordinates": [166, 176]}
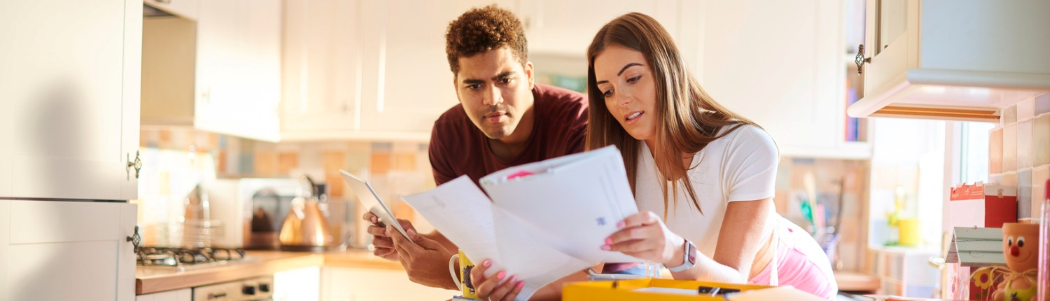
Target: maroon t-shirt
{"type": "Point", "coordinates": [458, 147]}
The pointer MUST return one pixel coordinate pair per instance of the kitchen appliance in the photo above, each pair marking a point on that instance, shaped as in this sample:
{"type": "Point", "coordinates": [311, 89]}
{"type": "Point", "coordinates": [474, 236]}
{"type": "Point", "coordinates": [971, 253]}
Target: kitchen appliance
{"type": "Point", "coordinates": [305, 227]}
{"type": "Point", "coordinates": [259, 288]}
{"type": "Point", "coordinates": [252, 209]}
{"type": "Point", "coordinates": [168, 260]}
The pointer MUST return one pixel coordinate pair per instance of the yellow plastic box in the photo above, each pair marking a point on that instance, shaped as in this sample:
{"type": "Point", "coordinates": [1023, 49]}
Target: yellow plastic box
{"type": "Point", "coordinates": [676, 290]}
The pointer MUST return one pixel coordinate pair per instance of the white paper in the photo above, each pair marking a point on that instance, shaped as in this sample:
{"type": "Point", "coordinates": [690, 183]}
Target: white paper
{"type": "Point", "coordinates": [372, 202]}
{"type": "Point", "coordinates": [577, 200]}
{"type": "Point", "coordinates": [540, 227]}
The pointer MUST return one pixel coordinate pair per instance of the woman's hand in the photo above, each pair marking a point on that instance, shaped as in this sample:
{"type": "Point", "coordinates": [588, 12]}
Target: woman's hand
{"type": "Point", "coordinates": [644, 235]}
{"type": "Point", "coordinates": [494, 288]}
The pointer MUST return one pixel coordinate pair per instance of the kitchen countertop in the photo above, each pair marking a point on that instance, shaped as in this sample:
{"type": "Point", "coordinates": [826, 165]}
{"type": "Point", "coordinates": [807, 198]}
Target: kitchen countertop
{"type": "Point", "coordinates": [258, 263]}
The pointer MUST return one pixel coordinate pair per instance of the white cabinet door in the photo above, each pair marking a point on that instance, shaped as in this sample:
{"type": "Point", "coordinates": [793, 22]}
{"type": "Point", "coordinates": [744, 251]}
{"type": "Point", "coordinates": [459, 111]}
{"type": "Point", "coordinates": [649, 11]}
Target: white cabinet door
{"type": "Point", "coordinates": [342, 284]}
{"type": "Point", "coordinates": [782, 65]}
{"type": "Point", "coordinates": [238, 68]}
{"type": "Point", "coordinates": [69, 77]}
{"type": "Point", "coordinates": [176, 295]}
{"type": "Point", "coordinates": [55, 250]}
{"type": "Point", "coordinates": [188, 9]}
{"type": "Point", "coordinates": [568, 27]}
{"type": "Point", "coordinates": [413, 83]}
{"type": "Point", "coordinates": [323, 69]}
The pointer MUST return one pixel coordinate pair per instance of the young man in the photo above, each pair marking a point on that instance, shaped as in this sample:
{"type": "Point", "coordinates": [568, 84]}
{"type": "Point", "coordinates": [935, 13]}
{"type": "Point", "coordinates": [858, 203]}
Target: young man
{"type": "Point", "coordinates": [503, 119]}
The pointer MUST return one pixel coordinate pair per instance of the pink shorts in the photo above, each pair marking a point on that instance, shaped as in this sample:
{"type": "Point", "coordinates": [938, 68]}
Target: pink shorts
{"type": "Point", "coordinates": [799, 262]}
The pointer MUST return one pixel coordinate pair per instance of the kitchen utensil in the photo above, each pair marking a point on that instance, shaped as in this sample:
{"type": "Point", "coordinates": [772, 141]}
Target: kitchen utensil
{"type": "Point", "coordinates": [305, 227]}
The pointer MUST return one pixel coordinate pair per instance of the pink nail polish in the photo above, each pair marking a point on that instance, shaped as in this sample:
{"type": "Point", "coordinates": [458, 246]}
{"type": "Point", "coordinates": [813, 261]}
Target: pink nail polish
{"type": "Point", "coordinates": [608, 241]}
{"type": "Point", "coordinates": [487, 263]}
{"type": "Point", "coordinates": [521, 284]}
{"type": "Point", "coordinates": [512, 278]}
{"type": "Point", "coordinates": [619, 225]}
{"type": "Point", "coordinates": [500, 275]}
{"type": "Point", "coordinates": [606, 247]}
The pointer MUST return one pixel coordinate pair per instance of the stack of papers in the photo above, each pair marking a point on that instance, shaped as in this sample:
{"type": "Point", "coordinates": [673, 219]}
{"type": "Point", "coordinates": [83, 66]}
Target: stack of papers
{"type": "Point", "coordinates": [545, 220]}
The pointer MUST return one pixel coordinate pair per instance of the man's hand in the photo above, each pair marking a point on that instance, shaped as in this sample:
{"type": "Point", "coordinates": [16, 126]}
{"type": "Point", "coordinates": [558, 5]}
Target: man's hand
{"type": "Point", "coordinates": [425, 260]}
{"type": "Point", "coordinates": [384, 247]}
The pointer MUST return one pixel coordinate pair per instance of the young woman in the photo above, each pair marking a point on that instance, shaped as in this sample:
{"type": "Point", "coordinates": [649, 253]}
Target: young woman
{"type": "Point", "coordinates": [703, 176]}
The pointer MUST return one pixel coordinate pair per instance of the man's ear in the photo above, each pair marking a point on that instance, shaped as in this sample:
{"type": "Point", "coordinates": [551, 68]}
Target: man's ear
{"type": "Point", "coordinates": [455, 87]}
{"type": "Point", "coordinates": [529, 72]}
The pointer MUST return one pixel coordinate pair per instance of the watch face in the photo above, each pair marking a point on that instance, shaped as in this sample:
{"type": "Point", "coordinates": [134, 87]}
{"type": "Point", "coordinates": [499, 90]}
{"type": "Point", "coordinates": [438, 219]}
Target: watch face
{"type": "Point", "coordinates": [692, 253]}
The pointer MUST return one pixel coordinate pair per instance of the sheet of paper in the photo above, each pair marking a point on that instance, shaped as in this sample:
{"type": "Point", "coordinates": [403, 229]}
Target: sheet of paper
{"type": "Point", "coordinates": [576, 200]}
{"type": "Point", "coordinates": [463, 214]}
{"type": "Point", "coordinates": [467, 218]}
{"type": "Point", "coordinates": [372, 202]}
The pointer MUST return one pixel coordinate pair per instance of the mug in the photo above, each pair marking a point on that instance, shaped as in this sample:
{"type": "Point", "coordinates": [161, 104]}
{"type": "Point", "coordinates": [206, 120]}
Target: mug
{"type": "Point", "coordinates": [463, 281]}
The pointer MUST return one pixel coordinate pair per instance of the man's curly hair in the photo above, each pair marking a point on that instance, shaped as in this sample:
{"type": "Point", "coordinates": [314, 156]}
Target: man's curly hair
{"type": "Point", "coordinates": [483, 29]}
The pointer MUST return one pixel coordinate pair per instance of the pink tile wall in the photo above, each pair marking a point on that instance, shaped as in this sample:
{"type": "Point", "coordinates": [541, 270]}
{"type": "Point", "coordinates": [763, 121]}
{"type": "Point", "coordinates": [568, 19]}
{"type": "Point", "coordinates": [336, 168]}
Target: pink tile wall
{"type": "Point", "coordinates": [1024, 138]}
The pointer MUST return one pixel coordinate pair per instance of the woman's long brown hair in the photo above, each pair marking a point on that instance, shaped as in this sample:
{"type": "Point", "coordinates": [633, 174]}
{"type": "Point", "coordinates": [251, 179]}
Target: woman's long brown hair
{"type": "Point", "coordinates": [692, 118]}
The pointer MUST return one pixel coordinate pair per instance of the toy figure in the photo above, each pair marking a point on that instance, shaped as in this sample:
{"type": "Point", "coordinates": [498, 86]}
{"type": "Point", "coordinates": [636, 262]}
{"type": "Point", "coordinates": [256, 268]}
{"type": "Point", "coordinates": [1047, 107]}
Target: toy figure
{"type": "Point", "coordinates": [1021, 248]}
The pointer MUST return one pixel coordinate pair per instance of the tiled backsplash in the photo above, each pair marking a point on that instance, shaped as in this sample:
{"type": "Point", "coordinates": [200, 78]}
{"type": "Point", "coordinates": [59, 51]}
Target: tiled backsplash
{"type": "Point", "coordinates": [180, 157]}
{"type": "Point", "coordinates": [1019, 151]}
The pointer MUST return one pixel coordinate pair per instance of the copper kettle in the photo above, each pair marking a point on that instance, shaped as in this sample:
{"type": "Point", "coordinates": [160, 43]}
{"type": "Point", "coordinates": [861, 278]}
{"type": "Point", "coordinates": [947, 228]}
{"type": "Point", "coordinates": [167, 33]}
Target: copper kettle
{"type": "Point", "coordinates": [305, 227]}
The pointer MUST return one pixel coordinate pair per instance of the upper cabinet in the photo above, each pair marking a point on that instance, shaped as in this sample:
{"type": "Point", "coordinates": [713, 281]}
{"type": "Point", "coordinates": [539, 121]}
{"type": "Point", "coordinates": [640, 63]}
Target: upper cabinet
{"type": "Point", "coordinates": [366, 69]}
{"type": "Point", "coordinates": [782, 65]}
{"type": "Point", "coordinates": [220, 73]}
{"type": "Point", "coordinates": [952, 60]}
{"type": "Point", "coordinates": [189, 9]}
{"type": "Point", "coordinates": [69, 99]}
{"type": "Point", "coordinates": [568, 27]}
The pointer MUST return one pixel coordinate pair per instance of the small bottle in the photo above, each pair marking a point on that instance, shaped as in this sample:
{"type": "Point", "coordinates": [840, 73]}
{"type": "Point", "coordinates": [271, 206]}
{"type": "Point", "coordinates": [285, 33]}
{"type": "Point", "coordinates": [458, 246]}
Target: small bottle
{"type": "Point", "coordinates": [1044, 247]}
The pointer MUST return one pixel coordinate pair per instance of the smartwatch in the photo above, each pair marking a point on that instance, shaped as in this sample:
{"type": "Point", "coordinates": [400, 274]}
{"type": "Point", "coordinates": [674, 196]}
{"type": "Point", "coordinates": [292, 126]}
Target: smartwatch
{"type": "Point", "coordinates": [689, 258]}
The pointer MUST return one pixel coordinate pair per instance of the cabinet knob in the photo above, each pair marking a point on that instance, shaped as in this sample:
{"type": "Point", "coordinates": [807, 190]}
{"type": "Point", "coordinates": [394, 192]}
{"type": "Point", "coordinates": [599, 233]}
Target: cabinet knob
{"type": "Point", "coordinates": [860, 60]}
{"type": "Point", "coordinates": [135, 239]}
{"type": "Point", "coordinates": [136, 164]}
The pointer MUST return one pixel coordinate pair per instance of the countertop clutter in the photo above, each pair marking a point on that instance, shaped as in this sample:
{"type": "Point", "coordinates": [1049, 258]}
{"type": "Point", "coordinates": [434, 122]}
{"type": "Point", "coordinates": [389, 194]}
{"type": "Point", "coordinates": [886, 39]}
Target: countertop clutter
{"type": "Point", "coordinates": [260, 263]}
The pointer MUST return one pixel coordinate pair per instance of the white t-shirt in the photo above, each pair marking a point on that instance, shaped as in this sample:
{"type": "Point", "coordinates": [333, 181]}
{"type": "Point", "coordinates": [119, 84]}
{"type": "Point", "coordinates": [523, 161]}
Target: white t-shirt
{"type": "Point", "coordinates": [740, 166]}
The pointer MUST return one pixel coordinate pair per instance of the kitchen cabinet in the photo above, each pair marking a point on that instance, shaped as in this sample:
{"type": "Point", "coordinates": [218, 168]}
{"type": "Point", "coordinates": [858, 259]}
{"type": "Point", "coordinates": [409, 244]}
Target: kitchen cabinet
{"type": "Point", "coordinates": [952, 60]}
{"type": "Point", "coordinates": [69, 99]}
{"type": "Point", "coordinates": [340, 283]}
{"type": "Point", "coordinates": [175, 295]}
{"type": "Point", "coordinates": [782, 65]}
{"type": "Point", "coordinates": [189, 9]}
{"type": "Point", "coordinates": [568, 27]}
{"type": "Point", "coordinates": [354, 70]}
{"type": "Point", "coordinates": [63, 250]}
{"type": "Point", "coordinates": [220, 73]}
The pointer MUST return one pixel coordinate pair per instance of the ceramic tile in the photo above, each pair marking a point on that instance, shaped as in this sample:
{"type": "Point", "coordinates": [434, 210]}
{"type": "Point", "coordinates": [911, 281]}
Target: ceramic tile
{"type": "Point", "coordinates": [265, 163]}
{"type": "Point", "coordinates": [995, 151]}
{"type": "Point", "coordinates": [1024, 144]}
{"type": "Point", "coordinates": [1009, 179]}
{"type": "Point", "coordinates": [1039, 176]}
{"type": "Point", "coordinates": [1010, 148]}
{"type": "Point", "coordinates": [1041, 140]}
{"type": "Point", "coordinates": [995, 179]}
{"type": "Point", "coordinates": [1025, 109]}
{"type": "Point", "coordinates": [1024, 193]}
{"type": "Point", "coordinates": [1042, 104]}
{"type": "Point", "coordinates": [405, 161]}
{"type": "Point", "coordinates": [381, 163]}
{"type": "Point", "coordinates": [286, 162]}
{"type": "Point", "coordinates": [1010, 115]}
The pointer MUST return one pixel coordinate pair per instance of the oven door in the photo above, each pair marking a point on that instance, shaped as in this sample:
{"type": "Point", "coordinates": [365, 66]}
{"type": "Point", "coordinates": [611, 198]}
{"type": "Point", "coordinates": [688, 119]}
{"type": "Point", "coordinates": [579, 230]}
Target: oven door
{"type": "Point", "coordinates": [260, 288]}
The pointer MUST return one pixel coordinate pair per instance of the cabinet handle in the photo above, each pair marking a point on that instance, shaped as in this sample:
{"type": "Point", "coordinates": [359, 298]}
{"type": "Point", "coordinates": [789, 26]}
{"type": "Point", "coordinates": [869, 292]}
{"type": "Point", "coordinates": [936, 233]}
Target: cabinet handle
{"type": "Point", "coordinates": [860, 60]}
{"type": "Point", "coordinates": [137, 165]}
{"type": "Point", "coordinates": [164, 1]}
{"type": "Point", "coordinates": [135, 239]}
